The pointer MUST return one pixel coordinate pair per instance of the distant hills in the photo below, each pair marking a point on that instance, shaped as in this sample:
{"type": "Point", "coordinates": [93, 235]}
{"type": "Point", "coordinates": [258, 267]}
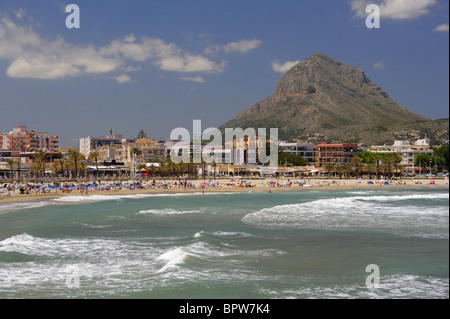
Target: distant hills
{"type": "Point", "coordinates": [321, 99]}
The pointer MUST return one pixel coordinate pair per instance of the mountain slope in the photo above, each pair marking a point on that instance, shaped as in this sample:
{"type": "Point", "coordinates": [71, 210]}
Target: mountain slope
{"type": "Point", "coordinates": [322, 99]}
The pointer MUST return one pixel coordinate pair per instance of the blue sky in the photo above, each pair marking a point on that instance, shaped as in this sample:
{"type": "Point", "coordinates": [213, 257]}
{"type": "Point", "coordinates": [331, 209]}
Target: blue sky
{"type": "Point", "coordinates": [158, 65]}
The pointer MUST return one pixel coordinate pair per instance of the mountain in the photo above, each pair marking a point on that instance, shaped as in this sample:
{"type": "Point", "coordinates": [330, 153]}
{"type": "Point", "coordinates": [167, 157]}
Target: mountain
{"type": "Point", "coordinates": [321, 99]}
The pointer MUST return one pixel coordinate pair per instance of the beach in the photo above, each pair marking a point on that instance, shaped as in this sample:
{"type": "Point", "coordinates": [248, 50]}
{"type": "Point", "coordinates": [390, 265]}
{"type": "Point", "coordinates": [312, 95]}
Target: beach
{"type": "Point", "coordinates": [225, 185]}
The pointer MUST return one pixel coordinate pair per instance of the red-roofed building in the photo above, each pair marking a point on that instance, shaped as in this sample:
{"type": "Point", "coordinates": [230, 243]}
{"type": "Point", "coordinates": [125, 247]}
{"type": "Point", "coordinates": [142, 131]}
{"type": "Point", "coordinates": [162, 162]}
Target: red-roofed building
{"type": "Point", "coordinates": [333, 154]}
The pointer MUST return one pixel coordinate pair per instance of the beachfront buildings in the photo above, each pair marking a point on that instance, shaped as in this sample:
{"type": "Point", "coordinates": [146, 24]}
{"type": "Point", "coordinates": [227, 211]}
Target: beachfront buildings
{"type": "Point", "coordinates": [20, 145]}
{"type": "Point", "coordinates": [110, 141]}
{"type": "Point", "coordinates": [334, 154]}
{"type": "Point", "coordinates": [305, 150]}
{"type": "Point", "coordinates": [114, 147]}
{"type": "Point", "coordinates": [20, 139]}
{"type": "Point", "coordinates": [406, 150]}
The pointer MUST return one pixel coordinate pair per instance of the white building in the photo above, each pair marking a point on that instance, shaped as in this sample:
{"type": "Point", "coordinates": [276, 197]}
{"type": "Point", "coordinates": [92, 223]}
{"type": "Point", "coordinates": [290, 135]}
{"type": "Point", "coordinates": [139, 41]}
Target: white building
{"type": "Point", "coordinates": [305, 150]}
{"type": "Point", "coordinates": [406, 150]}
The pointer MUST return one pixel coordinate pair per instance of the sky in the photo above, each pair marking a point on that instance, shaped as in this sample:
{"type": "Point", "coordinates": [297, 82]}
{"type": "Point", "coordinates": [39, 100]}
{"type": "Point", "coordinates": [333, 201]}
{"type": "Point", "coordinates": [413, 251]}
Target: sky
{"type": "Point", "coordinates": [157, 65]}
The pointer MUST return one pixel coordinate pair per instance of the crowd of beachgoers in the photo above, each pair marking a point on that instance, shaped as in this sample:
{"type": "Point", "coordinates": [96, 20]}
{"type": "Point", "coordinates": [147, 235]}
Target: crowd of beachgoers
{"type": "Point", "coordinates": [16, 189]}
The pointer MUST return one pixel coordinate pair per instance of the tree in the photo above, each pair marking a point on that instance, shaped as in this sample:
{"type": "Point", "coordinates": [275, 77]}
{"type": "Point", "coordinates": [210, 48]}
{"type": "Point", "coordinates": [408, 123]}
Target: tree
{"type": "Point", "coordinates": [340, 170]}
{"type": "Point", "coordinates": [422, 161]}
{"type": "Point", "coordinates": [38, 166]}
{"type": "Point", "coordinates": [60, 166]}
{"type": "Point", "coordinates": [357, 162]}
{"type": "Point", "coordinates": [76, 157]}
{"type": "Point", "coordinates": [400, 168]}
{"type": "Point", "coordinates": [214, 164]}
{"type": "Point", "coordinates": [330, 169]}
{"type": "Point", "coordinates": [347, 168]}
{"type": "Point", "coordinates": [141, 134]}
{"type": "Point", "coordinates": [397, 159]}
{"type": "Point", "coordinates": [367, 157]}
{"type": "Point", "coordinates": [10, 162]}
{"type": "Point", "coordinates": [371, 169]}
{"type": "Point", "coordinates": [389, 160]}
{"type": "Point", "coordinates": [293, 159]}
{"type": "Point", "coordinates": [377, 158]}
{"type": "Point", "coordinates": [19, 164]}
{"type": "Point", "coordinates": [94, 156]}
{"type": "Point", "coordinates": [443, 153]}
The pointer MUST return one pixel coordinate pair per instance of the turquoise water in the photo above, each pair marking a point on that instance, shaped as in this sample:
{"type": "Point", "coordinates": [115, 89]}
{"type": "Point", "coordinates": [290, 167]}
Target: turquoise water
{"type": "Point", "coordinates": [244, 245]}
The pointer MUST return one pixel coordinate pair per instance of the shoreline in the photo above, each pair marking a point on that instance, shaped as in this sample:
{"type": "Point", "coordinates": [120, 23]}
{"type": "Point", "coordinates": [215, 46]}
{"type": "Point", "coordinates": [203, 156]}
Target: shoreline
{"type": "Point", "coordinates": [327, 185]}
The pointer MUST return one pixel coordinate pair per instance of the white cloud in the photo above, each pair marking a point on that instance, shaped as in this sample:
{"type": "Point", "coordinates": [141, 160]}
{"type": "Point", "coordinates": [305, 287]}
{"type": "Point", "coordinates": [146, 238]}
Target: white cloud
{"type": "Point", "coordinates": [395, 9]}
{"type": "Point", "coordinates": [167, 57]}
{"type": "Point", "coordinates": [283, 67]}
{"type": "Point", "coordinates": [242, 46]}
{"type": "Point", "coordinates": [34, 57]}
{"type": "Point", "coordinates": [197, 79]}
{"type": "Point", "coordinates": [39, 68]}
{"type": "Point", "coordinates": [131, 68]}
{"type": "Point", "coordinates": [212, 49]}
{"type": "Point", "coordinates": [442, 28]}
{"type": "Point", "coordinates": [19, 13]}
{"type": "Point", "coordinates": [123, 78]}
{"type": "Point", "coordinates": [378, 66]}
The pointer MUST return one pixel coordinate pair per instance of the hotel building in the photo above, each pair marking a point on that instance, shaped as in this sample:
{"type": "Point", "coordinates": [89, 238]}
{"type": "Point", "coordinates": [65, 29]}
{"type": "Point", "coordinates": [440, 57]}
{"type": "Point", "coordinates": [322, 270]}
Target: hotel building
{"type": "Point", "coordinates": [406, 150]}
{"type": "Point", "coordinates": [333, 154]}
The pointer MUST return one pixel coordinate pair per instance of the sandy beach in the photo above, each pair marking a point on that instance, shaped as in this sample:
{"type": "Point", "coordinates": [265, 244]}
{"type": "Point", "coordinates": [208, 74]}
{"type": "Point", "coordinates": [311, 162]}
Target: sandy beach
{"type": "Point", "coordinates": [280, 185]}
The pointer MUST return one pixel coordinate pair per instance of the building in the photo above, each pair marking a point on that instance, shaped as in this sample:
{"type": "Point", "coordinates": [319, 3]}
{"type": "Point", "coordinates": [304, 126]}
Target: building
{"type": "Point", "coordinates": [305, 150]}
{"type": "Point", "coordinates": [21, 145]}
{"type": "Point", "coordinates": [151, 149]}
{"type": "Point", "coordinates": [406, 150]}
{"type": "Point", "coordinates": [91, 144]}
{"type": "Point", "coordinates": [334, 154]}
{"type": "Point", "coordinates": [3, 141]}
{"type": "Point", "coordinates": [20, 139]}
{"type": "Point", "coordinates": [114, 147]}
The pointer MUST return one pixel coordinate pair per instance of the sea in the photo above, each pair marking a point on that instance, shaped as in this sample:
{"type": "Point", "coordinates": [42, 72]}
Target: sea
{"type": "Point", "coordinates": [360, 244]}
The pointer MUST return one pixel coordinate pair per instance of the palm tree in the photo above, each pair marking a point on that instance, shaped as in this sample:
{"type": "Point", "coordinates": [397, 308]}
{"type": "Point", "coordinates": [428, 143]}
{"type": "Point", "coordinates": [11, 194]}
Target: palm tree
{"type": "Point", "coordinates": [397, 159]}
{"type": "Point", "coordinates": [388, 163]}
{"type": "Point", "coordinates": [10, 162]}
{"type": "Point", "coordinates": [330, 168]}
{"type": "Point", "coordinates": [94, 156]}
{"type": "Point", "coordinates": [83, 168]}
{"type": "Point", "coordinates": [340, 169]}
{"type": "Point", "coordinates": [38, 167]}
{"type": "Point", "coordinates": [377, 157]}
{"type": "Point", "coordinates": [400, 168]}
{"type": "Point", "coordinates": [39, 159]}
{"type": "Point", "coordinates": [76, 157]}
{"type": "Point", "coordinates": [347, 168]}
{"type": "Point", "coordinates": [214, 164]}
{"type": "Point", "coordinates": [371, 169]}
{"type": "Point", "coordinates": [61, 166]}
{"type": "Point", "coordinates": [18, 163]}
{"type": "Point", "coordinates": [357, 161]}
